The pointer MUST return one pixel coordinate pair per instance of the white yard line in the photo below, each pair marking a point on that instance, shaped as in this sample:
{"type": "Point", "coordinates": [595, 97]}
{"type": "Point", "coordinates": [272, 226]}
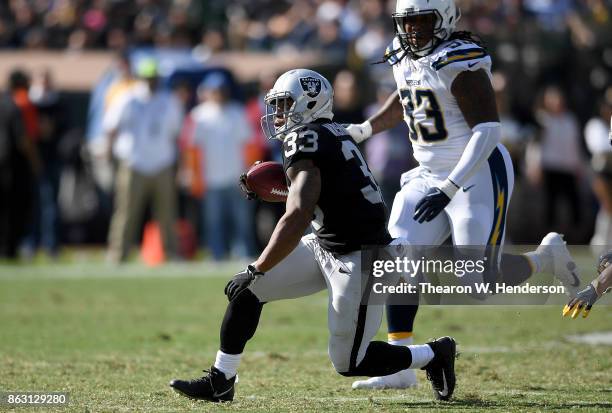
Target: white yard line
{"type": "Point", "coordinates": [594, 339]}
{"type": "Point", "coordinates": [125, 271]}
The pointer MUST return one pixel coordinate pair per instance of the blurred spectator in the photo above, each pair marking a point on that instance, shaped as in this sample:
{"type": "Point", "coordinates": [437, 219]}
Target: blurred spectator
{"type": "Point", "coordinates": [388, 153]}
{"type": "Point", "coordinates": [597, 135]}
{"type": "Point", "coordinates": [560, 155]}
{"type": "Point", "coordinates": [51, 126]}
{"type": "Point", "coordinates": [550, 14]}
{"type": "Point", "coordinates": [27, 167]}
{"type": "Point", "coordinates": [143, 128]}
{"type": "Point", "coordinates": [258, 148]}
{"type": "Point", "coordinates": [348, 107]}
{"type": "Point", "coordinates": [221, 131]}
{"type": "Point", "coordinates": [212, 42]}
{"type": "Point", "coordinates": [517, 131]}
{"type": "Point", "coordinates": [189, 174]}
{"type": "Point", "coordinates": [328, 37]}
{"type": "Point", "coordinates": [13, 162]}
{"type": "Point", "coordinates": [116, 83]}
{"type": "Point", "coordinates": [20, 86]}
{"type": "Point", "coordinates": [370, 44]}
{"type": "Point", "coordinates": [123, 80]}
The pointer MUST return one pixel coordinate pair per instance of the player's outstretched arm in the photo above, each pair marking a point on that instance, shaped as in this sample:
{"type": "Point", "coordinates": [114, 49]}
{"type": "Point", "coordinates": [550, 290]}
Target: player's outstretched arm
{"type": "Point", "coordinates": [585, 299]}
{"type": "Point", "coordinates": [476, 99]}
{"type": "Point", "coordinates": [304, 193]}
{"type": "Point", "coordinates": [387, 117]}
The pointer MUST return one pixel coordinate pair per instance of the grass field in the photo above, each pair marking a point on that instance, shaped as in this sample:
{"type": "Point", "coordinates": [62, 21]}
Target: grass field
{"type": "Point", "coordinates": [114, 337]}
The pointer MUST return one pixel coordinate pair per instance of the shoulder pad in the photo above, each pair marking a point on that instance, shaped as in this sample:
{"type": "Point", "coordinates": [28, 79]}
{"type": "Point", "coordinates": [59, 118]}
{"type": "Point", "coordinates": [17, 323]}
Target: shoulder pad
{"type": "Point", "coordinates": [457, 51]}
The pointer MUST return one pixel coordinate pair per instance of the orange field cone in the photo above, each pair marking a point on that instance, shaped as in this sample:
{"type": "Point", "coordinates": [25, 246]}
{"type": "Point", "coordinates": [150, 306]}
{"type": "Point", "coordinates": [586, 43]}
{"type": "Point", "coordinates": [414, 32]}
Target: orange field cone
{"type": "Point", "coordinates": [152, 248]}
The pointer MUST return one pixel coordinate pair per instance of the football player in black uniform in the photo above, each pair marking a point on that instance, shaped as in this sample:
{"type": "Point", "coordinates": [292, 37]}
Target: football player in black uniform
{"type": "Point", "coordinates": [330, 187]}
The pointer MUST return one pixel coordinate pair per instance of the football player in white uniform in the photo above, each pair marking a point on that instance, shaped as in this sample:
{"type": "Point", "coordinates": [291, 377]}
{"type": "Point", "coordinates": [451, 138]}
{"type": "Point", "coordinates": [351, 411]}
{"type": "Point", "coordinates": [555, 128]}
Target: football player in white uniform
{"type": "Point", "coordinates": [464, 180]}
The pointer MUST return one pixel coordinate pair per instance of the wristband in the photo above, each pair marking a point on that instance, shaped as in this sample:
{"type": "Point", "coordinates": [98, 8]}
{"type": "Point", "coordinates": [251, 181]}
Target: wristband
{"type": "Point", "coordinates": [449, 188]}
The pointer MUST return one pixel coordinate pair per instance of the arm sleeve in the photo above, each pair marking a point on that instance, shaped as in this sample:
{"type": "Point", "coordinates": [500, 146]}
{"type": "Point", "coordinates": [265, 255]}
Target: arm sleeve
{"type": "Point", "coordinates": [485, 138]}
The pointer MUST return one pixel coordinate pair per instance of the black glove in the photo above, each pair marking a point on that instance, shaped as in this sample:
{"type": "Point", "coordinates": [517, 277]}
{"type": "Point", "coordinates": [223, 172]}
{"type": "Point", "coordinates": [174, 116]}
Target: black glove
{"type": "Point", "coordinates": [430, 205]}
{"type": "Point", "coordinates": [250, 195]}
{"type": "Point", "coordinates": [241, 281]}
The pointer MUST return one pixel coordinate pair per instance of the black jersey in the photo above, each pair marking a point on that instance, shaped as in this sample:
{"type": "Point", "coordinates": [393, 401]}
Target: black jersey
{"type": "Point", "coordinates": [350, 212]}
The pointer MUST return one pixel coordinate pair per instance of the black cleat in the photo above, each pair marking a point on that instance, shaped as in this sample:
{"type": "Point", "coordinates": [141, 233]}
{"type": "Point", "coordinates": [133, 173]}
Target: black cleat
{"type": "Point", "coordinates": [213, 387]}
{"type": "Point", "coordinates": [441, 370]}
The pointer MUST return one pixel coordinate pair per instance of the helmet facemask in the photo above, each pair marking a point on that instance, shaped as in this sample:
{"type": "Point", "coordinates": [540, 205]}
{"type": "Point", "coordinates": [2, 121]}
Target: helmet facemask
{"type": "Point", "coordinates": [410, 41]}
{"type": "Point", "coordinates": [281, 116]}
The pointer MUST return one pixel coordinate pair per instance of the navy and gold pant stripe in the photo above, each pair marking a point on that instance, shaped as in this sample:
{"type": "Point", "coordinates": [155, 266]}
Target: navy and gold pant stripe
{"type": "Point", "coordinates": [499, 178]}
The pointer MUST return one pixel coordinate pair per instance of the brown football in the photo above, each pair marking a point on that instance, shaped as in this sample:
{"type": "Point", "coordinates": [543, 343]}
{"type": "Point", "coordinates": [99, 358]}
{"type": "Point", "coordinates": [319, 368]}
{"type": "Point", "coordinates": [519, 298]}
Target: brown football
{"type": "Point", "coordinates": [267, 180]}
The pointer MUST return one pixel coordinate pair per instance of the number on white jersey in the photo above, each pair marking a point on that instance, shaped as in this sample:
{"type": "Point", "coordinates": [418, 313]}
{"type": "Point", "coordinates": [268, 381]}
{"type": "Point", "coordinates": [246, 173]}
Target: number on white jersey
{"type": "Point", "coordinates": [423, 99]}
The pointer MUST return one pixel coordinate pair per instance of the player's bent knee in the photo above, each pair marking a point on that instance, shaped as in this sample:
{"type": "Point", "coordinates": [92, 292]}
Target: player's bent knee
{"type": "Point", "coordinates": [340, 347]}
{"type": "Point", "coordinates": [248, 296]}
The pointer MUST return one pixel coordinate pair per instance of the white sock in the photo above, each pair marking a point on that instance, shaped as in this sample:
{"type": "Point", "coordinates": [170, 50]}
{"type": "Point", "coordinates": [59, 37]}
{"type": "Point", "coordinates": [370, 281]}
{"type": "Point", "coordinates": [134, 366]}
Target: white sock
{"type": "Point", "coordinates": [227, 363]}
{"type": "Point", "coordinates": [421, 355]}
{"type": "Point", "coordinates": [534, 258]}
{"type": "Point", "coordinates": [401, 342]}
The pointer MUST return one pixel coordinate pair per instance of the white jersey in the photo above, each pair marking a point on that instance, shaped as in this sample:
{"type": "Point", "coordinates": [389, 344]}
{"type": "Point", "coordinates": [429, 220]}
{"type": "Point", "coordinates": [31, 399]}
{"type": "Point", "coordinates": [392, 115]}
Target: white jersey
{"type": "Point", "coordinates": [438, 130]}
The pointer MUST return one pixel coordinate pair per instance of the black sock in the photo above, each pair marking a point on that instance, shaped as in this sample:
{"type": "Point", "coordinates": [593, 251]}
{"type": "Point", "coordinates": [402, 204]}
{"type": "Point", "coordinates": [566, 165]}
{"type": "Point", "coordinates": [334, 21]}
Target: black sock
{"type": "Point", "coordinates": [382, 359]}
{"type": "Point", "coordinates": [240, 322]}
{"type": "Point", "coordinates": [400, 318]}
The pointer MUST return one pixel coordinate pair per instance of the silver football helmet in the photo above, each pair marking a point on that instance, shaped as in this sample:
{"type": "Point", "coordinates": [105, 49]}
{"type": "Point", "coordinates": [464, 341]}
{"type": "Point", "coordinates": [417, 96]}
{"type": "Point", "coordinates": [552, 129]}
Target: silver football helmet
{"type": "Point", "coordinates": [299, 96]}
{"type": "Point", "coordinates": [446, 15]}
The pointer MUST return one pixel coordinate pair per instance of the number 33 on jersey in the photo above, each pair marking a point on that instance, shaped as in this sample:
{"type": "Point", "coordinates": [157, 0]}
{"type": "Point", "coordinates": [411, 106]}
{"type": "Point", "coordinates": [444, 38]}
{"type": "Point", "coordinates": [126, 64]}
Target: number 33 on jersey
{"type": "Point", "coordinates": [350, 212]}
{"type": "Point", "coordinates": [438, 130]}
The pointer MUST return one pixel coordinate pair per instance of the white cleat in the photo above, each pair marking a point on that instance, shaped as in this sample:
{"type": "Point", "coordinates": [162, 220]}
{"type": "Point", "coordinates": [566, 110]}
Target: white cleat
{"type": "Point", "coordinates": [401, 380]}
{"type": "Point", "coordinates": [556, 260]}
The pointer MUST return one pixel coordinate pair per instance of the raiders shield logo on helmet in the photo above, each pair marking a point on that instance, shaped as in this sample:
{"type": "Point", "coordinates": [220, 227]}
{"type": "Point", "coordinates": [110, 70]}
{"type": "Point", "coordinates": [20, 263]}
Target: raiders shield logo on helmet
{"type": "Point", "coordinates": [311, 85]}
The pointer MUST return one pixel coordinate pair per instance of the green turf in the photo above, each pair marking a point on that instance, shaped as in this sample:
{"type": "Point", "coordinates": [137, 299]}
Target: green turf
{"type": "Point", "coordinates": [113, 338]}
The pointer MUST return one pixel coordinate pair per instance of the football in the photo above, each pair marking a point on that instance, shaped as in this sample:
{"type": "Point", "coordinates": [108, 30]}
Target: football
{"type": "Point", "coordinates": [267, 180]}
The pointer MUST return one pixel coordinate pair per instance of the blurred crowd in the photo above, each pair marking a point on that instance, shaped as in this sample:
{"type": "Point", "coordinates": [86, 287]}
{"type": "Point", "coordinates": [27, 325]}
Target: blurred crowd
{"type": "Point", "coordinates": [264, 24]}
{"type": "Point", "coordinates": [171, 153]}
{"type": "Point", "coordinates": [531, 40]}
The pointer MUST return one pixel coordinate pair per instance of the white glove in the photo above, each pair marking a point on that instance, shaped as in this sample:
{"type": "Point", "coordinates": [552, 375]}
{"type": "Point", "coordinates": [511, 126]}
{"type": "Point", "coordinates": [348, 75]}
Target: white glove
{"type": "Point", "coordinates": [360, 132]}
